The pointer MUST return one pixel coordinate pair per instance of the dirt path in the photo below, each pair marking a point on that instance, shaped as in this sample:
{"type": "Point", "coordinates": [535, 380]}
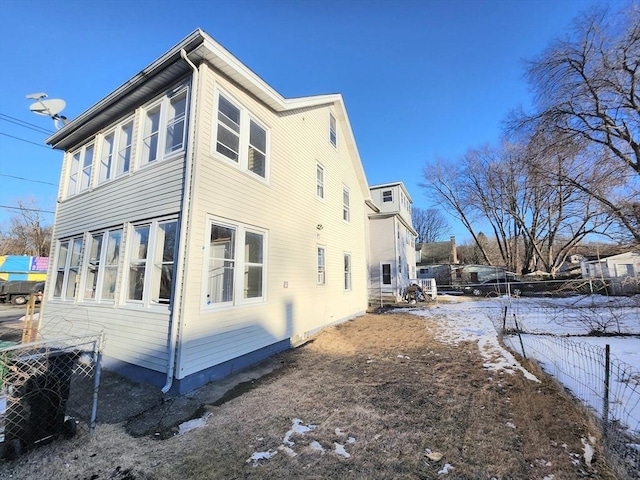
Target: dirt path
{"type": "Point", "coordinates": [373, 398]}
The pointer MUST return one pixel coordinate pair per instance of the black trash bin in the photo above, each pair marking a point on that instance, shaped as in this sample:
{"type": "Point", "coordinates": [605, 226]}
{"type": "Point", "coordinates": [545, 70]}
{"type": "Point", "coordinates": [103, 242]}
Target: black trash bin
{"type": "Point", "coordinates": [38, 387]}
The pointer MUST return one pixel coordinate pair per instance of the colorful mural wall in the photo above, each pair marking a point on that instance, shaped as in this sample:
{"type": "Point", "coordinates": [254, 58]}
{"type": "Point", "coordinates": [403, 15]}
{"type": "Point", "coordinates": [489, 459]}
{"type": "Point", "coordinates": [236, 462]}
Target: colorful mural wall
{"type": "Point", "coordinates": [22, 267]}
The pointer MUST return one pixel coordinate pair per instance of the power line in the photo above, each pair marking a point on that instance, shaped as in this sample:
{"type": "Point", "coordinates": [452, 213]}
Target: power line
{"type": "Point", "coordinates": [27, 209]}
{"type": "Point", "coordinates": [22, 123]}
{"type": "Point", "coordinates": [28, 179]}
{"type": "Point", "coordinates": [27, 141]}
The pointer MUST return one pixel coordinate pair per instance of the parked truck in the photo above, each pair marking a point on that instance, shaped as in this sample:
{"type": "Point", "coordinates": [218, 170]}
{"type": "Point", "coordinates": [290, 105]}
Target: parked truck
{"type": "Point", "coordinates": [18, 291]}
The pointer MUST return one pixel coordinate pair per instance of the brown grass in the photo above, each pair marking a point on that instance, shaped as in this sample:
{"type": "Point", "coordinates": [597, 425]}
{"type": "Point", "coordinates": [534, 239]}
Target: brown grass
{"type": "Point", "coordinates": [437, 396]}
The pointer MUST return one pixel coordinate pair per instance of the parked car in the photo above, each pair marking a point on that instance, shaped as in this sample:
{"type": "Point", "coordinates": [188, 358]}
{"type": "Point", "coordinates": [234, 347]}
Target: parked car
{"type": "Point", "coordinates": [495, 287]}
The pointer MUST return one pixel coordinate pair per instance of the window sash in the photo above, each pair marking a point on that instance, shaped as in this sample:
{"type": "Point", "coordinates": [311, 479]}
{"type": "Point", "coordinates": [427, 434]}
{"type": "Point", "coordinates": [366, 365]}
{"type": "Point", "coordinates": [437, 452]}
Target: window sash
{"type": "Point", "coordinates": [347, 271]}
{"type": "Point", "coordinates": [386, 274]}
{"type": "Point", "coordinates": [319, 181]}
{"type": "Point", "coordinates": [333, 136]}
{"type": "Point", "coordinates": [322, 274]}
{"type": "Point", "coordinates": [387, 196]}
{"type": "Point", "coordinates": [235, 265]}
{"type": "Point", "coordinates": [346, 214]}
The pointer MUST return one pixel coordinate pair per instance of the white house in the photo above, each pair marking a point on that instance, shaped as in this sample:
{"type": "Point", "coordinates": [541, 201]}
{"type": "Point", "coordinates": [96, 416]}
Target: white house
{"type": "Point", "coordinates": [392, 246]}
{"type": "Point", "coordinates": [204, 221]}
{"type": "Point", "coordinates": [615, 266]}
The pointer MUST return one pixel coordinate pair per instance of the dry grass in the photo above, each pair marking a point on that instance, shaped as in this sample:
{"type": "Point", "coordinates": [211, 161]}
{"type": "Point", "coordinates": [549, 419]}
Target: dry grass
{"type": "Point", "coordinates": [351, 378]}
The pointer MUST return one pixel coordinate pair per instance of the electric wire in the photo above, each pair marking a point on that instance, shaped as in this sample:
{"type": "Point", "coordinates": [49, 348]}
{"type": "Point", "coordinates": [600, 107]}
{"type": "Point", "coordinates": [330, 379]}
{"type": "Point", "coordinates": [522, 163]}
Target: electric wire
{"type": "Point", "coordinates": [24, 140]}
{"type": "Point", "coordinates": [22, 123]}
{"type": "Point", "coordinates": [28, 179]}
{"type": "Point", "coordinates": [9, 207]}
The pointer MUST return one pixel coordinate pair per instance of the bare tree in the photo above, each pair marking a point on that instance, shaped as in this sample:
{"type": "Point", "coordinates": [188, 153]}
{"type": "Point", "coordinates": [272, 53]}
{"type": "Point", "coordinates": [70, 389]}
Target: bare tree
{"type": "Point", "coordinates": [430, 224]}
{"type": "Point", "coordinates": [28, 233]}
{"type": "Point", "coordinates": [588, 94]}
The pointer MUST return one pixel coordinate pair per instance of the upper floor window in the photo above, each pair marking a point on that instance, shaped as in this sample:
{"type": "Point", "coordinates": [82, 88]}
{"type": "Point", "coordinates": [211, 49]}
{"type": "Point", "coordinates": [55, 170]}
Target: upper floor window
{"type": "Point", "coordinates": [387, 196]}
{"type": "Point", "coordinates": [333, 136]}
{"type": "Point", "coordinates": [240, 137]}
{"type": "Point", "coordinates": [236, 265]}
{"type": "Point", "coordinates": [164, 126]}
{"type": "Point", "coordinates": [346, 213]}
{"type": "Point", "coordinates": [115, 152]}
{"type": "Point", "coordinates": [80, 170]}
{"type": "Point", "coordinates": [319, 181]}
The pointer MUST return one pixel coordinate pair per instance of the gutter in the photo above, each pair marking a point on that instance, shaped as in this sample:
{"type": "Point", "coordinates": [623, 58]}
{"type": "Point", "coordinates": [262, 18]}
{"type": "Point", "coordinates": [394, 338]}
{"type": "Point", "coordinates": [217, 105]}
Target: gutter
{"type": "Point", "coordinates": [178, 290]}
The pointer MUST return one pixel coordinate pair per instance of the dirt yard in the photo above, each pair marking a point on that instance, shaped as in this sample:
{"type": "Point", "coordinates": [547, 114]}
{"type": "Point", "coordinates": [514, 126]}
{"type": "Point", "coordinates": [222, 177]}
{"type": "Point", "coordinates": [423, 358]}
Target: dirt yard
{"type": "Point", "coordinates": [374, 398]}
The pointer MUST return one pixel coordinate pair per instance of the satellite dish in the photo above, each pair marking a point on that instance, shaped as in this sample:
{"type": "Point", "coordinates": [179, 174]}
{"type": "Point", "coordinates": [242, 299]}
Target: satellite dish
{"type": "Point", "coordinates": [48, 108]}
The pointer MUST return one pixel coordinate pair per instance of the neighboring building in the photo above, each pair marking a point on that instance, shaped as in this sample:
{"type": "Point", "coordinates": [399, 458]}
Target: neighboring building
{"type": "Point", "coordinates": [392, 247]}
{"type": "Point", "coordinates": [621, 272]}
{"type": "Point", "coordinates": [615, 266]}
{"type": "Point", "coordinates": [206, 222]}
{"type": "Point", "coordinates": [23, 267]}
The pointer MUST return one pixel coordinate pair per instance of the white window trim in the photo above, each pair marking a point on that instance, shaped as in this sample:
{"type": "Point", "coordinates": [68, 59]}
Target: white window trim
{"type": "Point", "coordinates": [346, 207]}
{"type": "Point", "coordinates": [333, 130]}
{"type": "Point", "coordinates": [116, 130]}
{"type": "Point", "coordinates": [324, 267]}
{"type": "Point", "coordinates": [320, 183]}
{"type": "Point", "coordinates": [66, 268]}
{"type": "Point", "coordinates": [349, 272]}
{"type": "Point", "coordinates": [150, 261]}
{"type": "Point", "coordinates": [82, 151]}
{"type": "Point", "coordinates": [239, 264]}
{"type": "Point", "coordinates": [164, 103]}
{"type": "Point", "coordinates": [102, 266]}
{"type": "Point", "coordinates": [246, 117]}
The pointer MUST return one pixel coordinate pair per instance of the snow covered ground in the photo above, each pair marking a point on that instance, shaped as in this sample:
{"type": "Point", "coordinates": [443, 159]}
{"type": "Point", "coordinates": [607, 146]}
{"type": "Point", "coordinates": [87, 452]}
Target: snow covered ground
{"type": "Point", "coordinates": [551, 320]}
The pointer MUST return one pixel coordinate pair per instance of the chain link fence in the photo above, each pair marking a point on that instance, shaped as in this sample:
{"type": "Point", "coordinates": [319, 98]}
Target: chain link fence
{"type": "Point", "coordinates": [606, 386]}
{"type": "Point", "coordinates": [48, 389]}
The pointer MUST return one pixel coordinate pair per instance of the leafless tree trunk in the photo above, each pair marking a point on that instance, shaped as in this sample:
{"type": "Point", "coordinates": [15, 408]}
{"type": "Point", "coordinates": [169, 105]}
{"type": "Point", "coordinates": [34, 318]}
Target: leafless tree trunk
{"type": "Point", "coordinates": [28, 234]}
{"type": "Point", "coordinates": [430, 224]}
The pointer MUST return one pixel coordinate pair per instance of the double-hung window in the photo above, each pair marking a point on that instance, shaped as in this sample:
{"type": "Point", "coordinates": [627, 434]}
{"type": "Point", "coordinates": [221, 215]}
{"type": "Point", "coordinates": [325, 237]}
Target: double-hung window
{"type": "Point", "coordinates": [346, 213]}
{"type": "Point", "coordinates": [322, 266]}
{"type": "Point", "coordinates": [152, 249]}
{"type": "Point", "coordinates": [240, 137]}
{"type": "Point", "coordinates": [319, 181]}
{"type": "Point", "coordinates": [387, 196]}
{"type": "Point", "coordinates": [115, 152]}
{"type": "Point", "coordinates": [164, 126]}
{"type": "Point", "coordinates": [101, 265]}
{"type": "Point", "coordinates": [333, 135]}
{"type": "Point", "coordinates": [80, 170]}
{"type": "Point", "coordinates": [347, 271]}
{"type": "Point", "coordinates": [236, 268]}
{"type": "Point", "coordinates": [67, 268]}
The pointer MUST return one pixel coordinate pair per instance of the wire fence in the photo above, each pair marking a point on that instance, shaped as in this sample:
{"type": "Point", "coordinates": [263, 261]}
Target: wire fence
{"type": "Point", "coordinates": [48, 389]}
{"type": "Point", "coordinates": [606, 386]}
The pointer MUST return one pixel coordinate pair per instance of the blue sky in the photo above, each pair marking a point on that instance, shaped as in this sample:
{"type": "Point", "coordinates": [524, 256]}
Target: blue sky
{"type": "Point", "coordinates": [421, 79]}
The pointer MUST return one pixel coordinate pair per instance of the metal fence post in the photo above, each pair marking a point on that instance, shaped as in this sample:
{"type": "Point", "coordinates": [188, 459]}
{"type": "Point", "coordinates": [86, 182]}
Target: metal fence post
{"type": "Point", "coordinates": [605, 406]}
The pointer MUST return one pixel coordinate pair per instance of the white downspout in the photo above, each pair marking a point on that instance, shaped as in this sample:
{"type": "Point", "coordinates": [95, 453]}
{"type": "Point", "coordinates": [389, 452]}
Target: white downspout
{"type": "Point", "coordinates": [178, 303]}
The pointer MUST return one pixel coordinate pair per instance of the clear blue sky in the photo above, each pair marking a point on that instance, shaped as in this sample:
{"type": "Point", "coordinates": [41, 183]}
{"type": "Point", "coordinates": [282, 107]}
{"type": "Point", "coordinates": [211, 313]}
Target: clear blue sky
{"type": "Point", "coordinates": [421, 79]}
